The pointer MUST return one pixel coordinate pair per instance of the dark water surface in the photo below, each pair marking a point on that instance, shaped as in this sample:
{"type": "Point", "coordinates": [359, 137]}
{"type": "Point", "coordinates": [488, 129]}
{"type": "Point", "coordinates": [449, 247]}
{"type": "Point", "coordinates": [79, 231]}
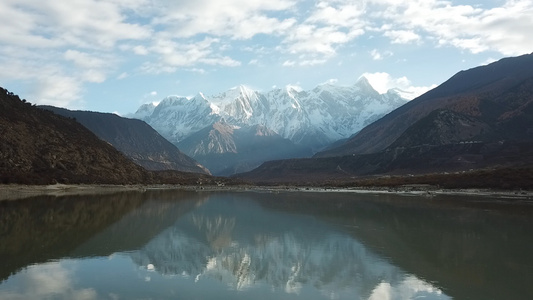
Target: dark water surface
{"type": "Point", "coordinates": [255, 245]}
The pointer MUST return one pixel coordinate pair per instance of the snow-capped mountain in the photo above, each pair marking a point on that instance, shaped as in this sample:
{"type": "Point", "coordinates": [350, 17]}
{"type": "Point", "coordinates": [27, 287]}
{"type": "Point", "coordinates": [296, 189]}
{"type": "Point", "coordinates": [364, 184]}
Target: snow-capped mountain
{"type": "Point", "coordinates": [313, 118]}
{"type": "Point", "coordinates": [310, 120]}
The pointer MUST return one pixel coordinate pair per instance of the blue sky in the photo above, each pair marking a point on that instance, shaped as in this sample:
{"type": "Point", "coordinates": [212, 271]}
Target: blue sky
{"type": "Point", "coordinates": [114, 55]}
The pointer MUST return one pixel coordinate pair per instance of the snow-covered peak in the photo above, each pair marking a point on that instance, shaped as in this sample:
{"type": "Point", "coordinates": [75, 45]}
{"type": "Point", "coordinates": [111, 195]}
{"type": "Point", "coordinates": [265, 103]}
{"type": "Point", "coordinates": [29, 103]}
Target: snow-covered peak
{"type": "Point", "coordinates": [401, 93]}
{"type": "Point", "coordinates": [363, 85]}
{"type": "Point", "coordinates": [172, 101]}
{"type": "Point", "coordinates": [313, 118]}
{"type": "Point", "coordinates": [293, 88]}
{"type": "Point", "coordinates": [239, 92]}
{"type": "Point", "coordinates": [200, 95]}
{"type": "Point", "coordinates": [144, 111]}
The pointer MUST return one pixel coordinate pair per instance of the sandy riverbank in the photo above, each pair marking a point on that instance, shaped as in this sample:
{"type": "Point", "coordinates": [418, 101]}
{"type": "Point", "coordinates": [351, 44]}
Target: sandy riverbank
{"type": "Point", "coordinates": [14, 192]}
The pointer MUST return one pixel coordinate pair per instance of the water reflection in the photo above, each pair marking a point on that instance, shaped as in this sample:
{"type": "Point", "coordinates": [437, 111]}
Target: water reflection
{"type": "Point", "coordinates": [238, 244]}
{"type": "Point", "coordinates": [168, 245]}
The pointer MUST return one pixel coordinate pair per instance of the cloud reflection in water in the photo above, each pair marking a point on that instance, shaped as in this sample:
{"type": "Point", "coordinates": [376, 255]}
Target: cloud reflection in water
{"type": "Point", "coordinates": [51, 280]}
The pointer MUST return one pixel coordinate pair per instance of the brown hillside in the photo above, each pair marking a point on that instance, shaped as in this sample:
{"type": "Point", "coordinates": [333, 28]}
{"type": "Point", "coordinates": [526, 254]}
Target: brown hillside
{"type": "Point", "coordinates": [38, 146]}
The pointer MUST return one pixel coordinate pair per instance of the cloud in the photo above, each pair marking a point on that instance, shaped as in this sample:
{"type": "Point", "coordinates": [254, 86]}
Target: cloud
{"type": "Point", "coordinates": [123, 75]}
{"type": "Point", "coordinates": [55, 48]}
{"type": "Point", "coordinates": [402, 36]}
{"type": "Point", "coordinates": [94, 68]}
{"type": "Point", "coordinates": [378, 55]}
{"type": "Point", "coordinates": [50, 280]}
{"type": "Point", "coordinates": [46, 81]}
{"type": "Point", "coordinates": [505, 29]}
{"type": "Point", "coordinates": [58, 47]}
{"type": "Point", "coordinates": [82, 23]}
{"type": "Point", "coordinates": [173, 55]}
{"type": "Point", "coordinates": [237, 19]}
{"type": "Point", "coordinates": [329, 26]}
{"type": "Point", "coordinates": [289, 63]}
{"type": "Point", "coordinates": [382, 82]}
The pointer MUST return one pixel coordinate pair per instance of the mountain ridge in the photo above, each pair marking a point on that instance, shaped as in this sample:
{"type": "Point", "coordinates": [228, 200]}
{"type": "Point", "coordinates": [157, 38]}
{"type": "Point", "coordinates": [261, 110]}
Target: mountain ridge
{"type": "Point", "coordinates": [460, 93]}
{"type": "Point", "coordinates": [314, 118]}
{"type": "Point", "coordinates": [486, 123]}
{"type": "Point", "coordinates": [135, 138]}
{"type": "Point", "coordinates": [308, 119]}
{"type": "Point", "coordinates": [40, 147]}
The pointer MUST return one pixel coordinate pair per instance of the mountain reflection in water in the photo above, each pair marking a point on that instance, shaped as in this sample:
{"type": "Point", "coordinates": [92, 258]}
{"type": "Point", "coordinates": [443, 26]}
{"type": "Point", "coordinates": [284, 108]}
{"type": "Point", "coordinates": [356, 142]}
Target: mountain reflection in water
{"type": "Point", "coordinates": [181, 245]}
{"type": "Point", "coordinates": [238, 244]}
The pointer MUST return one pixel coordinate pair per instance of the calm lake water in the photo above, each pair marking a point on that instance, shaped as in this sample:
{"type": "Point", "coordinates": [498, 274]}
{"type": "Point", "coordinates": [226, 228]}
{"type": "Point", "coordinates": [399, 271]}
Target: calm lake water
{"type": "Point", "coordinates": [257, 245]}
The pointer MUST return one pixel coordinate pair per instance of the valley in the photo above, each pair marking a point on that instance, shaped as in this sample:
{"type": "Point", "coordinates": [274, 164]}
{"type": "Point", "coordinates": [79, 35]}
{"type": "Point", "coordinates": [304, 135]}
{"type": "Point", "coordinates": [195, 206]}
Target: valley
{"type": "Point", "coordinates": [474, 130]}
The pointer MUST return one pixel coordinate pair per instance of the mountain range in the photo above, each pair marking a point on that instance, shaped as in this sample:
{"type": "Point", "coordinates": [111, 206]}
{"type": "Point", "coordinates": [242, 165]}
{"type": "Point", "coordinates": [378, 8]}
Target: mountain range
{"type": "Point", "coordinates": [135, 139]}
{"type": "Point", "coordinates": [479, 118]}
{"type": "Point", "coordinates": [497, 97]}
{"type": "Point", "coordinates": [38, 146]}
{"type": "Point", "coordinates": [296, 119]}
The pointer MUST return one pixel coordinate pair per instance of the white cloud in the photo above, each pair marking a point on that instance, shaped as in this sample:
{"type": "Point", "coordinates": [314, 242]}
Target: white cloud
{"type": "Point", "coordinates": [83, 23]}
{"type": "Point", "coordinates": [402, 36]}
{"type": "Point", "coordinates": [329, 26]}
{"type": "Point", "coordinates": [84, 60]}
{"type": "Point", "coordinates": [93, 68]}
{"type": "Point", "coordinates": [313, 62]}
{"type": "Point", "coordinates": [197, 70]}
{"type": "Point", "coordinates": [344, 14]}
{"type": "Point", "coordinates": [58, 90]}
{"type": "Point", "coordinates": [378, 55]}
{"type": "Point", "coordinates": [50, 280]}
{"type": "Point", "coordinates": [382, 82]}
{"type": "Point", "coordinates": [237, 19]}
{"type": "Point", "coordinates": [47, 82]}
{"type": "Point", "coordinates": [123, 75]}
{"type": "Point", "coordinates": [140, 50]}
{"type": "Point", "coordinates": [505, 29]}
{"type": "Point", "coordinates": [289, 63]}
{"type": "Point", "coordinates": [58, 47]}
{"type": "Point", "coordinates": [173, 55]}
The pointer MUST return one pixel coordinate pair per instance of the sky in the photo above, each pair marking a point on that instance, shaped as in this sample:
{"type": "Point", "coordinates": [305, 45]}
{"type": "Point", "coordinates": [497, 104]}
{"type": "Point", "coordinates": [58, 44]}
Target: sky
{"type": "Point", "coordinates": [114, 55]}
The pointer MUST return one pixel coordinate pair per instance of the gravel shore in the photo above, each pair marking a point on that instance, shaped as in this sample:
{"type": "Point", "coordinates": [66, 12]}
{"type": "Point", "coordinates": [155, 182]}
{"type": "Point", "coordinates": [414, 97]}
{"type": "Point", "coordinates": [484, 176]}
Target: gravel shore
{"type": "Point", "coordinates": [14, 192]}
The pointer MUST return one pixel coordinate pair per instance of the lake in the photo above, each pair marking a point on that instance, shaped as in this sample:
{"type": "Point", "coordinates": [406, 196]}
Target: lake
{"type": "Point", "coordinates": [165, 244]}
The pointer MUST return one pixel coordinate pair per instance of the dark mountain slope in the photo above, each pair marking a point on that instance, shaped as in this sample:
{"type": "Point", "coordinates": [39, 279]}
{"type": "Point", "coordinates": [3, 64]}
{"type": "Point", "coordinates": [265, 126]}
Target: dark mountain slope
{"type": "Point", "coordinates": [488, 125]}
{"type": "Point", "coordinates": [136, 139]}
{"type": "Point", "coordinates": [40, 147]}
{"type": "Point", "coordinates": [492, 93]}
{"type": "Point", "coordinates": [400, 161]}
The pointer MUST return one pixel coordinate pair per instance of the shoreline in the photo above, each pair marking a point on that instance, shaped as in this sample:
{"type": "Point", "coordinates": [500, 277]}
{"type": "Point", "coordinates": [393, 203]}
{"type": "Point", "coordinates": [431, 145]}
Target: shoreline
{"type": "Point", "coordinates": [17, 191]}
